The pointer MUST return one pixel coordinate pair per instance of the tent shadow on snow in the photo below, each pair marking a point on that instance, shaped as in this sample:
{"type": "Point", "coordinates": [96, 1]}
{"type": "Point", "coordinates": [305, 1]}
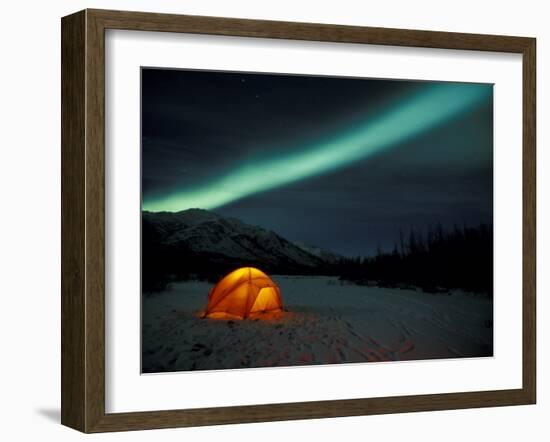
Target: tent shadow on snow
{"type": "Point", "coordinates": [245, 293]}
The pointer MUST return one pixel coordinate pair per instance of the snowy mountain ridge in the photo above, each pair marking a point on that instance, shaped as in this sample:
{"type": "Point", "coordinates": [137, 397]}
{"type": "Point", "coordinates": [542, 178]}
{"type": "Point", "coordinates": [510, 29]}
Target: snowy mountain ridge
{"type": "Point", "coordinates": [206, 233]}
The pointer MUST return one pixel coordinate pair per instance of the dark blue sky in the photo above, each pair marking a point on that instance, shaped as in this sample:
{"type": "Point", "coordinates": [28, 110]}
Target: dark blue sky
{"type": "Point", "coordinates": [197, 125]}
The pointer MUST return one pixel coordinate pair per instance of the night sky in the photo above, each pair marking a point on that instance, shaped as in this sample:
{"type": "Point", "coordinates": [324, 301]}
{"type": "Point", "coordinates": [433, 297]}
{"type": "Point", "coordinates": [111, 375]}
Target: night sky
{"type": "Point", "coordinates": [339, 163]}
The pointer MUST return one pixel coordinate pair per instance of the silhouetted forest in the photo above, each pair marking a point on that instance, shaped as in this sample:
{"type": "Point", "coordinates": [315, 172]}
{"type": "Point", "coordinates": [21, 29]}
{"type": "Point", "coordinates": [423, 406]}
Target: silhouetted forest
{"type": "Point", "coordinates": [435, 261]}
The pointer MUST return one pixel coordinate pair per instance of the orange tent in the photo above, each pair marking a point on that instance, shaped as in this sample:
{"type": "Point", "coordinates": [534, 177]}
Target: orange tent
{"type": "Point", "coordinates": [243, 293]}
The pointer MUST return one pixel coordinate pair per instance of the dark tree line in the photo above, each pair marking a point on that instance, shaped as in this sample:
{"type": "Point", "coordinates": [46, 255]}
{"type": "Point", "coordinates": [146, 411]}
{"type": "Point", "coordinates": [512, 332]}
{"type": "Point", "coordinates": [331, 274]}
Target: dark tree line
{"type": "Point", "coordinates": [434, 261]}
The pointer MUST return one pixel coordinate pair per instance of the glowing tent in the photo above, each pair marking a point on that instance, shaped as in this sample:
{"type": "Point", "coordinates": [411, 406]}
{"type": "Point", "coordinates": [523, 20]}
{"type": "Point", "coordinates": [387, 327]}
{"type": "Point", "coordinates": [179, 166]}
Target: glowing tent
{"type": "Point", "coordinates": [243, 293]}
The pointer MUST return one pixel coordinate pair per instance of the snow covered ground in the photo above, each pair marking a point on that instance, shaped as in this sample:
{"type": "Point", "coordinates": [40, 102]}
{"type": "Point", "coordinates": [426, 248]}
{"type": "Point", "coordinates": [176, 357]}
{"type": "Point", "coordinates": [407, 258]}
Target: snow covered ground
{"type": "Point", "coordinates": [325, 321]}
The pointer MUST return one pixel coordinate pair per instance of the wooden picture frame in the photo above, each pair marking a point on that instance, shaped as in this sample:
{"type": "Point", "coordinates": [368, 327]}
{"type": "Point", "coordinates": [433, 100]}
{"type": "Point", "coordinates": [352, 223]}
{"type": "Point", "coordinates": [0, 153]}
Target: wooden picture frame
{"type": "Point", "coordinates": [83, 220]}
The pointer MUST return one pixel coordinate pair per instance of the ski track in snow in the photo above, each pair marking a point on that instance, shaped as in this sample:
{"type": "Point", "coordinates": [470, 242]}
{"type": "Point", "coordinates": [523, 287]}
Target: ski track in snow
{"type": "Point", "coordinates": [324, 322]}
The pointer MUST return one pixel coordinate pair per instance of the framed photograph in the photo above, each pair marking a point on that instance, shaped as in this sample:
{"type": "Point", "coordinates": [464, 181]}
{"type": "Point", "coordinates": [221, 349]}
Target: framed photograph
{"type": "Point", "coordinates": [268, 220]}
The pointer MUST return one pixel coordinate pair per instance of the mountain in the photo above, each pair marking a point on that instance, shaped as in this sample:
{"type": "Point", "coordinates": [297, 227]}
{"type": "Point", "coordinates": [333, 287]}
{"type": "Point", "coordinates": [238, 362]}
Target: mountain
{"type": "Point", "coordinates": [200, 241]}
{"type": "Point", "coordinates": [324, 254]}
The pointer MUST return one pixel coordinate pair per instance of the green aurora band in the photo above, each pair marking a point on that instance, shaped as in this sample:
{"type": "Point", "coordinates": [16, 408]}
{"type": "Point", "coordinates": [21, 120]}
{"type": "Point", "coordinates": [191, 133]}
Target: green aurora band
{"type": "Point", "coordinates": [429, 107]}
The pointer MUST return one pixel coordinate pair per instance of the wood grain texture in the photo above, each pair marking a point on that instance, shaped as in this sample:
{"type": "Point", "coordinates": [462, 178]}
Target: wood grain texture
{"type": "Point", "coordinates": [95, 222]}
{"type": "Point", "coordinates": [73, 103]}
{"type": "Point", "coordinates": [145, 21]}
{"type": "Point", "coordinates": [83, 220]}
{"type": "Point", "coordinates": [529, 221]}
{"type": "Point", "coordinates": [308, 410]}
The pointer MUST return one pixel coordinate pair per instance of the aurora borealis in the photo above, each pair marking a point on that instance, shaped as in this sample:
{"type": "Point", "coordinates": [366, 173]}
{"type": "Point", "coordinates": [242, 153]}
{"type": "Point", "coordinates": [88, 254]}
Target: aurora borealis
{"type": "Point", "coordinates": [355, 158]}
